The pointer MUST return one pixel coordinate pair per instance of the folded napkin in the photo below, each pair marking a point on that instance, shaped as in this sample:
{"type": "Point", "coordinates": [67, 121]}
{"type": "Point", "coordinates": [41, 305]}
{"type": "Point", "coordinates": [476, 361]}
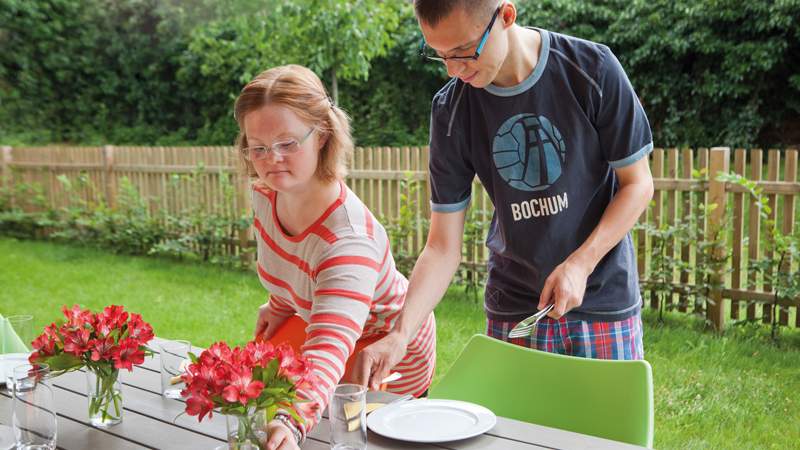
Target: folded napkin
{"type": "Point", "coordinates": [9, 341]}
{"type": "Point", "coordinates": [352, 411]}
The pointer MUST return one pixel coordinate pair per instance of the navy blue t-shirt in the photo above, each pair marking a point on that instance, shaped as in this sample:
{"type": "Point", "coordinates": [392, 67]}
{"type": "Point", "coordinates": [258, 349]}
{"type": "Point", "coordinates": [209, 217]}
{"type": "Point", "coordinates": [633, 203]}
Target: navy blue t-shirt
{"type": "Point", "coordinates": [545, 151]}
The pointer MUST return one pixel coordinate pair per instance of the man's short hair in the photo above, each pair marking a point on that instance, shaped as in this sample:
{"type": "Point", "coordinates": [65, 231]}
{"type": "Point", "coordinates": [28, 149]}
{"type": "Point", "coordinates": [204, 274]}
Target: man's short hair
{"type": "Point", "coordinates": [433, 11]}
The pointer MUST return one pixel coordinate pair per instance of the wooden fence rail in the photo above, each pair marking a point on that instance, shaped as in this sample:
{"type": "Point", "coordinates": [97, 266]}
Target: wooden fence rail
{"type": "Point", "coordinates": [173, 179]}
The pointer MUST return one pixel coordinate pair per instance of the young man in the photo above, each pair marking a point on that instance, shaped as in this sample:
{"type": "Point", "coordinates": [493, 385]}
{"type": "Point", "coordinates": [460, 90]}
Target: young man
{"type": "Point", "coordinates": [553, 129]}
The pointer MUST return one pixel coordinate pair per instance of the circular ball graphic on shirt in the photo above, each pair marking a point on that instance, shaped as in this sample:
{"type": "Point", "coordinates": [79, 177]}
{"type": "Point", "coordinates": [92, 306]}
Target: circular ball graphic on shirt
{"type": "Point", "coordinates": [528, 152]}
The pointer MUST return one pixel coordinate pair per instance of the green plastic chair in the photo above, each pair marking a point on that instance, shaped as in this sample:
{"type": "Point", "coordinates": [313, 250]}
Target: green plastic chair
{"type": "Point", "coordinates": [608, 399]}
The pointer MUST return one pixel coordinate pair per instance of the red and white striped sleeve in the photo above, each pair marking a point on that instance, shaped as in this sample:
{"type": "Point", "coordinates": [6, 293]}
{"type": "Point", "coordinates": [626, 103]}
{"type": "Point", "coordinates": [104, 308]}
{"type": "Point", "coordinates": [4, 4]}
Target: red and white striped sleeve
{"type": "Point", "coordinates": [279, 307]}
{"type": "Point", "coordinates": [346, 274]}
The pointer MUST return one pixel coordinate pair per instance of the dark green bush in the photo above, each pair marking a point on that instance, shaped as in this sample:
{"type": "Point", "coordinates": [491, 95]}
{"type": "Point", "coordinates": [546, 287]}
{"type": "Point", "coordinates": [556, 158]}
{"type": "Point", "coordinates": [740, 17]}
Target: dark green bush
{"type": "Point", "coordinates": [128, 227]}
{"type": "Point", "coordinates": [167, 71]}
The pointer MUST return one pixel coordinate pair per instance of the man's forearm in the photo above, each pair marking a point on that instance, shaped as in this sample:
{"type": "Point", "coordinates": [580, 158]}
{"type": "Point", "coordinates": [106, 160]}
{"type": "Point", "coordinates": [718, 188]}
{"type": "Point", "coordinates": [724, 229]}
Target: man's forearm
{"type": "Point", "coordinates": [619, 218]}
{"type": "Point", "coordinates": [429, 281]}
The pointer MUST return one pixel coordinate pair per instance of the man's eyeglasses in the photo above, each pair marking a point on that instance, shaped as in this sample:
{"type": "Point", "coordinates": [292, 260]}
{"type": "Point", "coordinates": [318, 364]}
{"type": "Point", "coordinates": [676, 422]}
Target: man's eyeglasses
{"type": "Point", "coordinates": [283, 148]}
{"type": "Point", "coordinates": [427, 52]}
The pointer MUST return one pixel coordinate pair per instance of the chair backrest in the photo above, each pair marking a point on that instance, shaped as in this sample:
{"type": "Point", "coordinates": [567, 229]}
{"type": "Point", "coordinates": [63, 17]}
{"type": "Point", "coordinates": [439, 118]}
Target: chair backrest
{"type": "Point", "coordinates": [609, 399]}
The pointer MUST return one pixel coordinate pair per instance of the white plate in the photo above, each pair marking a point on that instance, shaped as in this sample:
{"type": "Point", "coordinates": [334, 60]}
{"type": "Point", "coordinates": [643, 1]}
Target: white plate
{"type": "Point", "coordinates": [431, 420]}
{"type": "Point", "coordinates": [8, 362]}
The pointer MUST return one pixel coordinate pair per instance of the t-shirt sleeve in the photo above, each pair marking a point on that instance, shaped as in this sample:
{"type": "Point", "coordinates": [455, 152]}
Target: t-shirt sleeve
{"type": "Point", "coordinates": [451, 171]}
{"type": "Point", "coordinates": [622, 124]}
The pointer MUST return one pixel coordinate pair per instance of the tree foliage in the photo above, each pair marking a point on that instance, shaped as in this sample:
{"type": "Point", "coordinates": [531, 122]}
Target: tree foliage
{"type": "Point", "coordinates": [713, 72]}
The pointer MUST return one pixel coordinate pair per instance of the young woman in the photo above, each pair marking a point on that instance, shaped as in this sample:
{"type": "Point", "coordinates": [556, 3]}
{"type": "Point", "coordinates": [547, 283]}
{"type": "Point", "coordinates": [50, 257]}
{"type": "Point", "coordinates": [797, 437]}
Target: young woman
{"type": "Point", "coordinates": [321, 253]}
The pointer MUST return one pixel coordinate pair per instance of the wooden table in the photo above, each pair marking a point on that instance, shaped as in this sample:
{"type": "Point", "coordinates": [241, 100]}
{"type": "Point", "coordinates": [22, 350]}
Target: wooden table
{"type": "Point", "coordinates": [153, 422]}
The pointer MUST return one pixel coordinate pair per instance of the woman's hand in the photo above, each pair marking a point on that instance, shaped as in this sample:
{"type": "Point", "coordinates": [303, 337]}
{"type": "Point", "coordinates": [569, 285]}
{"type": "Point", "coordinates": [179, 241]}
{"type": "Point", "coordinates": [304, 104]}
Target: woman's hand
{"type": "Point", "coordinates": [280, 437]}
{"type": "Point", "coordinates": [267, 323]}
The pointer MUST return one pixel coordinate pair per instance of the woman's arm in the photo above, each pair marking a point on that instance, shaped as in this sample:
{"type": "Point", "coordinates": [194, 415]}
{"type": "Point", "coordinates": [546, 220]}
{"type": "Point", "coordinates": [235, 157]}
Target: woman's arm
{"type": "Point", "coordinates": [346, 277]}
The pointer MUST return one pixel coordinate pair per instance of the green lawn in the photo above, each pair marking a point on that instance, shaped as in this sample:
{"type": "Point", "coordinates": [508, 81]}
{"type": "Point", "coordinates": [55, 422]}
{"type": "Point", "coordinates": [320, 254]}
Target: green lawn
{"type": "Point", "coordinates": [739, 390]}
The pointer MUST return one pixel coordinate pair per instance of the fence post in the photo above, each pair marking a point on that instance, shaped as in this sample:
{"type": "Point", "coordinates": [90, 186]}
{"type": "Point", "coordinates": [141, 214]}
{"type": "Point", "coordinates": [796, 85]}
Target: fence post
{"type": "Point", "coordinates": [5, 163]}
{"type": "Point", "coordinates": [242, 193]}
{"type": "Point", "coordinates": [108, 175]}
{"type": "Point", "coordinates": [720, 161]}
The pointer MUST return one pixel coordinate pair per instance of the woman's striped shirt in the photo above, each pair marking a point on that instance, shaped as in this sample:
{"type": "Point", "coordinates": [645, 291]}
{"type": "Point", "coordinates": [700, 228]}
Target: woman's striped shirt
{"type": "Point", "coordinates": [340, 277]}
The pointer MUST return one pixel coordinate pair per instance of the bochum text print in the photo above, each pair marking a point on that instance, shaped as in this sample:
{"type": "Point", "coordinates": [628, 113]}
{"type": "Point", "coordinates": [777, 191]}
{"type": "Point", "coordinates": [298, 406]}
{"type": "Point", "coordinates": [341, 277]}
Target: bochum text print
{"type": "Point", "coordinates": [529, 154]}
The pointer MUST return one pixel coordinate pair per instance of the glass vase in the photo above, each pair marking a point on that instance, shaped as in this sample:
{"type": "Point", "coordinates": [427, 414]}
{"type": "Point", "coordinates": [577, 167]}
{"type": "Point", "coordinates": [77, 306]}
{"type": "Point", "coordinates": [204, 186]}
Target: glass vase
{"type": "Point", "coordinates": [247, 431]}
{"type": "Point", "coordinates": [105, 396]}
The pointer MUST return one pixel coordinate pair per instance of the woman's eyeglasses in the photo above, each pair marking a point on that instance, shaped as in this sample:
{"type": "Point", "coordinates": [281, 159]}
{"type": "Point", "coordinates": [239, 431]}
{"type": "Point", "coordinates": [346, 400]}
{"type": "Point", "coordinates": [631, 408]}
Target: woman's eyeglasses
{"type": "Point", "coordinates": [283, 148]}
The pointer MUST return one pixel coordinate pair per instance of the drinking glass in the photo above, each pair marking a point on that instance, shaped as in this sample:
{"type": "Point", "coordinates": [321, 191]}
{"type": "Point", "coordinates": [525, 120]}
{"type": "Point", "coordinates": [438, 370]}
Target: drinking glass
{"type": "Point", "coordinates": [33, 414]}
{"type": "Point", "coordinates": [174, 360]}
{"type": "Point", "coordinates": [348, 417]}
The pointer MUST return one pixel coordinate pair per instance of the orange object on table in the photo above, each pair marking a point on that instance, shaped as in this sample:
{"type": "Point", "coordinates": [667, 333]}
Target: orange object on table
{"type": "Point", "coordinates": [293, 332]}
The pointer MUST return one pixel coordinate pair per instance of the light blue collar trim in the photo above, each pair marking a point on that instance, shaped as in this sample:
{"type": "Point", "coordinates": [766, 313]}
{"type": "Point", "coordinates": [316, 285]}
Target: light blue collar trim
{"type": "Point", "coordinates": [532, 78]}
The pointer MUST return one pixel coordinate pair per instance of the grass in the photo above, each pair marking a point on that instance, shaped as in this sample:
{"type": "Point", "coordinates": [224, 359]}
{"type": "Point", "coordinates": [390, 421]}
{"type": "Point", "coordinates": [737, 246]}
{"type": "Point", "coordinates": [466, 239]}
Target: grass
{"type": "Point", "coordinates": [737, 390]}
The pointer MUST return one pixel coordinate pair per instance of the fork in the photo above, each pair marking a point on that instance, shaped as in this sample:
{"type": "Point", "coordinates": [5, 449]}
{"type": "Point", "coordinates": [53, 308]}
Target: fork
{"type": "Point", "coordinates": [526, 327]}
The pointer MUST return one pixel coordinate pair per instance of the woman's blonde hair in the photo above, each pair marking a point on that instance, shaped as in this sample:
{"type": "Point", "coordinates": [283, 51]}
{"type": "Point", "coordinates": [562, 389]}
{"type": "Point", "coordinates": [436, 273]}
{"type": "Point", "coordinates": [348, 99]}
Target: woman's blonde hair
{"type": "Point", "coordinates": [300, 90]}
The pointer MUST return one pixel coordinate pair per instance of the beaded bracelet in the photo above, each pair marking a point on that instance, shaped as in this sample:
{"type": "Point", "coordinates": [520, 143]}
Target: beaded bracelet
{"type": "Point", "coordinates": [291, 426]}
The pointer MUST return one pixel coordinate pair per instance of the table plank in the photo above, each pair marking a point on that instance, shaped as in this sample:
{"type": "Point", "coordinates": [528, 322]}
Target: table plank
{"type": "Point", "coordinates": [553, 437]}
{"type": "Point", "coordinates": [154, 406]}
{"type": "Point", "coordinates": [138, 425]}
{"type": "Point", "coordinates": [73, 434]}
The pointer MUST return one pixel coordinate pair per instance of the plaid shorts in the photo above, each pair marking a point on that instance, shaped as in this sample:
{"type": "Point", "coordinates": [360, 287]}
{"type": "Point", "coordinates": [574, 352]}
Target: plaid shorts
{"type": "Point", "coordinates": [588, 339]}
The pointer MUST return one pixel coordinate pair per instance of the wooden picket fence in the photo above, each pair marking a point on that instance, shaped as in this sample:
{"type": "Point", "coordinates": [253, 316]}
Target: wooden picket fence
{"type": "Point", "coordinates": [174, 179]}
{"type": "Point", "coordinates": [677, 192]}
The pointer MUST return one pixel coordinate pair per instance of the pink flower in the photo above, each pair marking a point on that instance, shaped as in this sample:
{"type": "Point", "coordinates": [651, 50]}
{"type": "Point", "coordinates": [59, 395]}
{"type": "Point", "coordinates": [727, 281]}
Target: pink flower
{"type": "Point", "coordinates": [102, 349]}
{"type": "Point", "coordinates": [211, 378]}
{"type": "Point", "coordinates": [259, 353]}
{"type": "Point", "coordinates": [103, 328]}
{"type": "Point", "coordinates": [286, 354]}
{"type": "Point", "coordinates": [127, 354]}
{"type": "Point", "coordinates": [46, 344]}
{"type": "Point", "coordinates": [76, 341]}
{"type": "Point", "coordinates": [221, 351]}
{"type": "Point", "coordinates": [199, 405]}
{"type": "Point", "coordinates": [113, 317]}
{"type": "Point", "coordinates": [140, 330]}
{"type": "Point", "coordinates": [242, 388]}
{"type": "Point", "coordinates": [77, 317]}
{"type": "Point", "coordinates": [292, 366]}
{"type": "Point", "coordinates": [51, 331]}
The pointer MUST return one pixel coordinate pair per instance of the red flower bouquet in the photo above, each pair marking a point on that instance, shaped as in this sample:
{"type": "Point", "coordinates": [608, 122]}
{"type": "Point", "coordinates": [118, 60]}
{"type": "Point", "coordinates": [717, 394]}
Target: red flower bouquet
{"type": "Point", "coordinates": [248, 384]}
{"type": "Point", "coordinates": [103, 343]}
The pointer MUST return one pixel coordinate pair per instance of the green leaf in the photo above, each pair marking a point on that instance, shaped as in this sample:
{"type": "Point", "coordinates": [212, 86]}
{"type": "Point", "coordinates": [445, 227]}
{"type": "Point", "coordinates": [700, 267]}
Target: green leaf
{"type": "Point", "coordinates": [63, 362]}
{"type": "Point", "coordinates": [270, 412]}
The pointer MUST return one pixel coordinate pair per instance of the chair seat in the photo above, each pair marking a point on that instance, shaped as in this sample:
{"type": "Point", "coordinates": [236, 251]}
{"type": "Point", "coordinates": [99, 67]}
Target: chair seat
{"type": "Point", "coordinates": [293, 332]}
